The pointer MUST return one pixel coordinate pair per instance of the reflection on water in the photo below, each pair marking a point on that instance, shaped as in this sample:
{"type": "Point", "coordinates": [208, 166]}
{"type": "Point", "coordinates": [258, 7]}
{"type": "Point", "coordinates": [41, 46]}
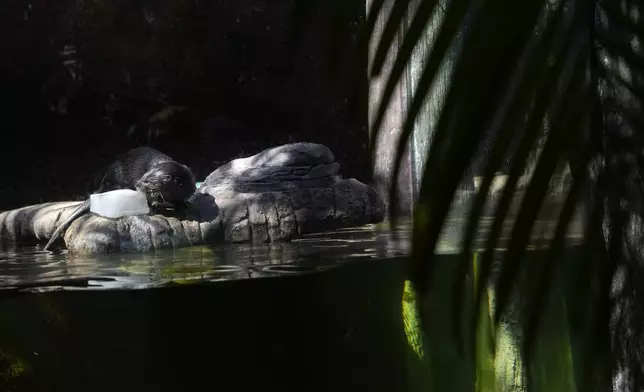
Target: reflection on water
{"type": "Point", "coordinates": [33, 268]}
{"type": "Point", "coordinates": [340, 329]}
{"type": "Point", "coordinates": [29, 266]}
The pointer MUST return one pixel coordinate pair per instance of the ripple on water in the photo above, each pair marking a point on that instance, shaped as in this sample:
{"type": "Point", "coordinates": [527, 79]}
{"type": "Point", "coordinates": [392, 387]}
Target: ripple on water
{"type": "Point", "coordinates": [29, 266]}
{"type": "Point", "coordinates": [32, 268]}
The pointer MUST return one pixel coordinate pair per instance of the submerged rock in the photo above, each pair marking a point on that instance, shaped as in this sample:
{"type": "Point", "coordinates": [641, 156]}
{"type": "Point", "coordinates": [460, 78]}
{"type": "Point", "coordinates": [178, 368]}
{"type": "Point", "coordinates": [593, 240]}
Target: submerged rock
{"type": "Point", "coordinates": [275, 195]}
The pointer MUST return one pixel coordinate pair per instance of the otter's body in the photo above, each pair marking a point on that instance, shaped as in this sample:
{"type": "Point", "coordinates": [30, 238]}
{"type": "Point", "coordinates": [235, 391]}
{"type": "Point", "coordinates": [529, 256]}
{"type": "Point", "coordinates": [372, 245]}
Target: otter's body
{"type": "Point", "coordinates": [164, 181]}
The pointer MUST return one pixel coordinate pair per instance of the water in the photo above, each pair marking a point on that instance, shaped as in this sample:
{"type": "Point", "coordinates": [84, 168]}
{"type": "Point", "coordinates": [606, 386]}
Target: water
{"type": "Point", "coordinates": [323, 312]}
{"type": "Point", "coordinates": [30, 266]}
{"type": "Point", "coordinates": [193, 318]}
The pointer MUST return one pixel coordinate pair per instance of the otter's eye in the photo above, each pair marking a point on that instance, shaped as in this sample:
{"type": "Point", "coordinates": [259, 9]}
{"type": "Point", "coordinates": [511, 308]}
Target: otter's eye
{"type": "Point", "coordinates": [167, 178]}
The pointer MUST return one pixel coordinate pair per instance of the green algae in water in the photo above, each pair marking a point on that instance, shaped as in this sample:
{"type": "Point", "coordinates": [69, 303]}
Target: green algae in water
{"type": "Point", "coordinates": [189, 260]}
{"type": "Point", "coordinates": [193, 250]}
{"type": "Point", "coordinates": [135, 269]}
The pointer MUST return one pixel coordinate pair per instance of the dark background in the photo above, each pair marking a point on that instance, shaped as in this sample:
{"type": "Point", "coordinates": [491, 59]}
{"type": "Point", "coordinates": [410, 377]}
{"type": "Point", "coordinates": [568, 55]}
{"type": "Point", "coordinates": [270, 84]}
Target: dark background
{"type": "Point", "coordinates": [203, 81]}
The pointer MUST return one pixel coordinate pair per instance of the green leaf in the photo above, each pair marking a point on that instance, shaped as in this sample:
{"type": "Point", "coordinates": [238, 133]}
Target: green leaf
{"type": "Point", "coordinates": [548, 97]}
{"type": "Point", "coordinates": [540, 293]}
{"type": "Point", "coordinates": [539, 67]}
{"type": "Point", "coordinates": [463, 120]}
{"type": "Point", "coordinates": [538, 186]}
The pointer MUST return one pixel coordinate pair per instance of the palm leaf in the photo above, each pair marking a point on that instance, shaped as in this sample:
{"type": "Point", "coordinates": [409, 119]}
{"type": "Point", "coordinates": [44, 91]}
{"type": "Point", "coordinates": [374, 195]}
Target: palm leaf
{"type": "Point", "coordinates": [548, 97]}
{"type": "Point", "coordinates": [538, 300]}
{"type": "Point", "coordinates": [394, 21]}
{"type": "Point", "coordinates": [454, 18]}
{"type": "Point", "coordinates": [463, 121]}
{"type": "Point", "coordinates": [538, 187]}
{"type": "Point", "coordinates": [412, 36]}
{"type": "Point", "coordinates": [539, 70]}
{"type": "Point", "coordinates": [518, 65]}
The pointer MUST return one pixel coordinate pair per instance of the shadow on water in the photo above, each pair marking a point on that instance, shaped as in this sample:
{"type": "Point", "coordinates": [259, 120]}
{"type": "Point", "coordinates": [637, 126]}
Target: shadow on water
{"type": "Point", "coordinates": [204, 318]}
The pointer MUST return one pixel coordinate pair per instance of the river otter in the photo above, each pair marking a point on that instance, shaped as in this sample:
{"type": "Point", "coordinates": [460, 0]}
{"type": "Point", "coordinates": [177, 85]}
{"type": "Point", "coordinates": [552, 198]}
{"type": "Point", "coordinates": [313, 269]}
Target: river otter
{"type": "Point", "coordinates": [165, 182]}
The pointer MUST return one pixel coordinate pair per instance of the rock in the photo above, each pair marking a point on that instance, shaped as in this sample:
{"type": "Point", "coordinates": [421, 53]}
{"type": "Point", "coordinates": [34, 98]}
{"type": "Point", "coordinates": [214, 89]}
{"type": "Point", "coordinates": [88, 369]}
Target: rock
{"type": "Point", "coordinates": [289, 162]}
{"type": "Point", "coordinates": [276, 195]}
{"type": "Point", "coordinates": [34, 223]}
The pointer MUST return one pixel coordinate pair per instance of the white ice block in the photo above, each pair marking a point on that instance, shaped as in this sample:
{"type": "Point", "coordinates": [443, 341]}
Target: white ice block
{"type": "Point", "coordinates": [118, 203]}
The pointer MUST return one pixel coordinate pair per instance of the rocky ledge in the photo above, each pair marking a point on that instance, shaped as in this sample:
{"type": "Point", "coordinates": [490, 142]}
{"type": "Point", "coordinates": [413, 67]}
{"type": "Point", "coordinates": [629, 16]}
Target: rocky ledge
{"type": "Point", "coordinates": [276, 195]}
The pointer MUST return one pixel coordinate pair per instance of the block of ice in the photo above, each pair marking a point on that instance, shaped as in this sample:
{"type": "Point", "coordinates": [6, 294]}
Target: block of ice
{"type": "Point", "coordinates": [118, 203]}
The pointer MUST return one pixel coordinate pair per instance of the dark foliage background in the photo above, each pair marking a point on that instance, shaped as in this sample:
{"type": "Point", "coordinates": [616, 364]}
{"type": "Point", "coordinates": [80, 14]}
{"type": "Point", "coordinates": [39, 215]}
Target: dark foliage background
{"type": "Point", "coordinates": [204, 82]}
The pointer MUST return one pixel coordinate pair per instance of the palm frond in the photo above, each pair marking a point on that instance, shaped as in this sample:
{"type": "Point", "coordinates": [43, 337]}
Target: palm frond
{"type": "Point", "coordinates": [540, 84]}
{"type": "Point", "coordinates": [464, 120]}
{"type": "Point", "coordinates": [507, 95]}
{"type": "Point", "coordinates": [541, 73]}
{"type": "Point", "coordinates": [453, 21]}
{"type": "Point", "coordinates": [537, 189]}
{"type": "Point", "coordinates": [412, 37]}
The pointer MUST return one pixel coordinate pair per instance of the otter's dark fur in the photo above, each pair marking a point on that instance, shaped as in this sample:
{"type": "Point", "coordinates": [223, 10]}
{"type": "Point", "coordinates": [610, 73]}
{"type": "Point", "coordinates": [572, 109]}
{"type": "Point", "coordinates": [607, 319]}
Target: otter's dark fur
{"type": "Point", "coordinates": [164, 181]}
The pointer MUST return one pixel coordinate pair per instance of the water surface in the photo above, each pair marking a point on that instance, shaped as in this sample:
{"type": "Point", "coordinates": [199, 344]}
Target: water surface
{"type": "Point", "coordinates": [30, 266]}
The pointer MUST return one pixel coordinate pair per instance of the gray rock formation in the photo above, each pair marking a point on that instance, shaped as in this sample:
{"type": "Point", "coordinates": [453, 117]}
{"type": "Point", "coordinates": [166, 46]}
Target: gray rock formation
{"type": "Point", "coordinates": [275, 195]}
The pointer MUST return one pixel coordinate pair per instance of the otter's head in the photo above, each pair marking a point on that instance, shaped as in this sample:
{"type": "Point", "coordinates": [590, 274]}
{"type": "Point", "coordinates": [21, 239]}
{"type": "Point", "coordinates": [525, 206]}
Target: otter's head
{"type": "Point", "coordinates": [168, 182]}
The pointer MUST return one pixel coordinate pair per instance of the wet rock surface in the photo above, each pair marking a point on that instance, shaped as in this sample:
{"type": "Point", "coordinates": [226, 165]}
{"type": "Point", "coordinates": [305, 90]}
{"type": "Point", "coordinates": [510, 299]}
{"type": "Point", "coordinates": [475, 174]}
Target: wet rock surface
{"type": "Point", "coordinates": [276, 195]}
